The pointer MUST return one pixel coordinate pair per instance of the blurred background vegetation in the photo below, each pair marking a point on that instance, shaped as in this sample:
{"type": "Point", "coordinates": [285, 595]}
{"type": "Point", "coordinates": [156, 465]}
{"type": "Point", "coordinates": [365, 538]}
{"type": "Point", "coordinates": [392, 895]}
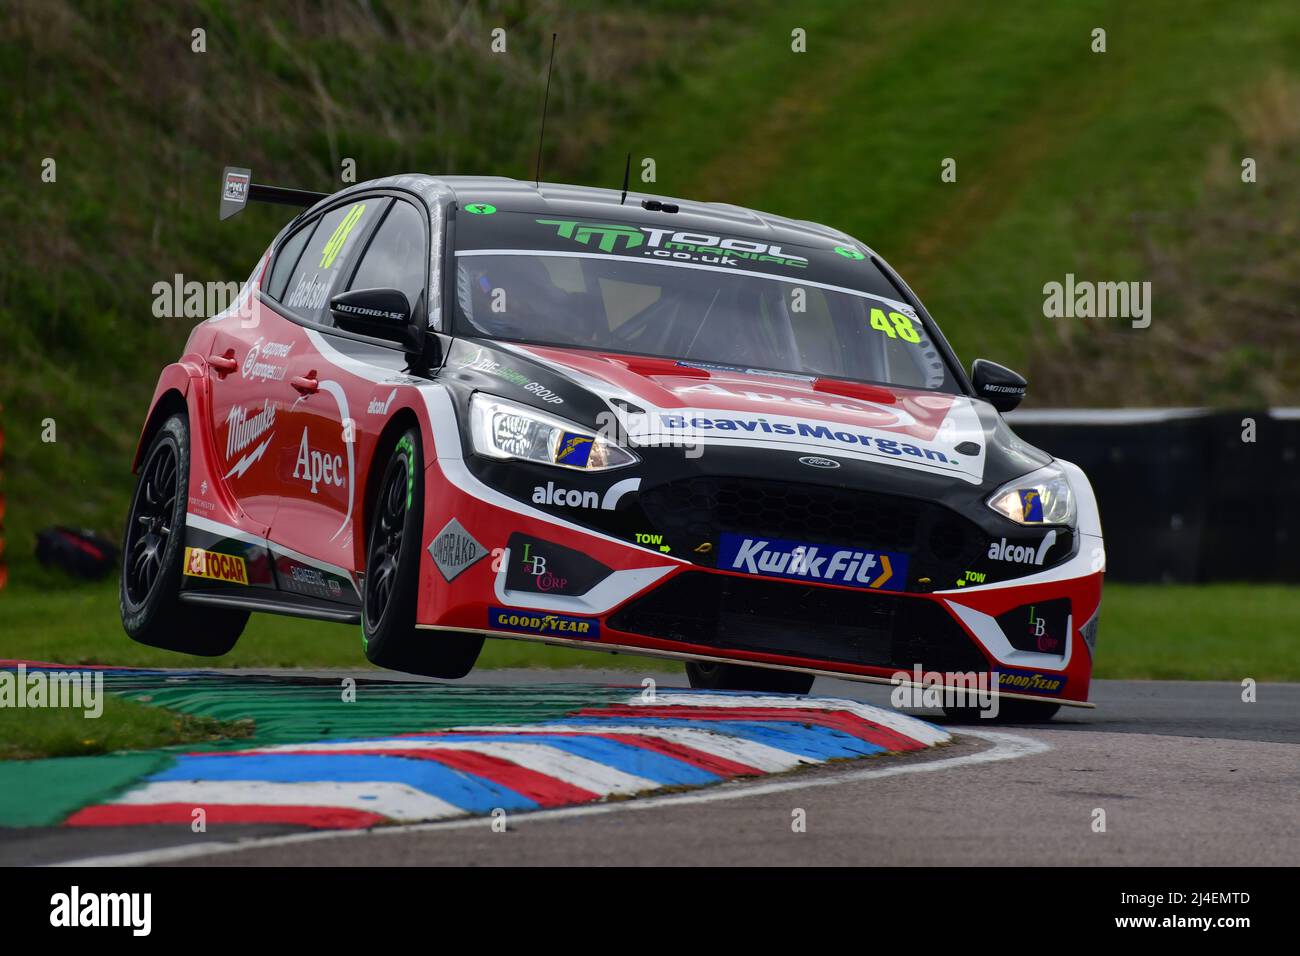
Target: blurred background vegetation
{"type": "Point", "coordinates": [1115, 166]}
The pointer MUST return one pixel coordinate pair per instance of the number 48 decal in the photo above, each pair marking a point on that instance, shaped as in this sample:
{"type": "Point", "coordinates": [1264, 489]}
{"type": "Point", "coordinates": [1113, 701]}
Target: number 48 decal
{"type": "Point", "coordinates": [897, 325]}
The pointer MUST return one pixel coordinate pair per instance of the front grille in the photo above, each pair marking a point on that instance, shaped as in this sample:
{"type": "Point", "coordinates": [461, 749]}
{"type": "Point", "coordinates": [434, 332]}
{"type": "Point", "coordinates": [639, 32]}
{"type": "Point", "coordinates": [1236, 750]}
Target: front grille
{"type": "Point", "coordinates": [831, 624]}
{"type": "Point", "coordinates": [940, 543]}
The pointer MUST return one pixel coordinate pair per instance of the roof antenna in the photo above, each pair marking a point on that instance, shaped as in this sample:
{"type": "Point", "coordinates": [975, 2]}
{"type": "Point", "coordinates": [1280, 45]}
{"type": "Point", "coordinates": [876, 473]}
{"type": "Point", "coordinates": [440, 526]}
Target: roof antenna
{"type": "Point", "coordinates": [627, 171]}
{"type": "Point", "coordinates": [537, 179]}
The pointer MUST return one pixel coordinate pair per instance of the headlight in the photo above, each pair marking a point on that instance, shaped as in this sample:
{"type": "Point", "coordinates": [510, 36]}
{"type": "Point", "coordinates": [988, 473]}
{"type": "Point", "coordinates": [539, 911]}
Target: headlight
{"type": "Point", "coordinates": [502, 429]}
{"type": "Point", "coordinates": [1040, 497]}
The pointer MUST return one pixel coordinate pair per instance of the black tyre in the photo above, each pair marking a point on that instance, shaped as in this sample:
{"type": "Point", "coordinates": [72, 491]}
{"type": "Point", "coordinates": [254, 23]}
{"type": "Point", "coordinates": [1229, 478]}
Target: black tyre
{"type": "Point", "coordinates": [1009, 712]}
{"type": "Point", "coordinates": [392, 577]}
{"type": "Point", "coordinates": [152, 549]}
{"type": "Point", "coordinates": [706, 675]}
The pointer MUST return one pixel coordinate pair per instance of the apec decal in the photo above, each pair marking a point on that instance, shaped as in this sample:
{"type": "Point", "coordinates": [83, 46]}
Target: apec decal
{"type": "Point", "coordinates": [243, 428]}
{"type": "Point", "coordinates": [800, 561]}
{"type": "Point", "coordinates": [318, 467]}
{"type": "Point", "coordinates": [215, 566]}
{"type": "Point", "coordinates": [532, 622]}
{"type": "Point", "coordinates": [455, 549]}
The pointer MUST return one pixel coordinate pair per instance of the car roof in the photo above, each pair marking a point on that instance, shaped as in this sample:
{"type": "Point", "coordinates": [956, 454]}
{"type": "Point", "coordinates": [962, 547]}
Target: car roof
{"type": "Point", "coordinates": [563, 199]}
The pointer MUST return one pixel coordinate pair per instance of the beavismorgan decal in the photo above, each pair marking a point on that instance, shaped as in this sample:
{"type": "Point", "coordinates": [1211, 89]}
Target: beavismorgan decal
{"type": "Point", "coordinates": [534, 622]}
{"type": "Point", "coordinates": [215, 565]}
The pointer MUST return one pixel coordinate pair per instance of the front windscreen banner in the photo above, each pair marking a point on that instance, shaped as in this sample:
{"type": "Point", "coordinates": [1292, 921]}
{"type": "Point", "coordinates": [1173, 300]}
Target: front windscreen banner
{"type": "Point", "coordinates": [817, 311]}
{"type": "Point", "coordinates": [846, 265]}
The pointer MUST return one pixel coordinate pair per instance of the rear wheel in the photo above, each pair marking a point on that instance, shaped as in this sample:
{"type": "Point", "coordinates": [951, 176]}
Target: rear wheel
{"type": "Point", "coordinates": [148, 595]}
{"type": "Point", "coordinates": [707, 675]}
{"type": "Point", "coordinates": [393, 577]}
{"type": "Point", "coordinates": [1009, 712]}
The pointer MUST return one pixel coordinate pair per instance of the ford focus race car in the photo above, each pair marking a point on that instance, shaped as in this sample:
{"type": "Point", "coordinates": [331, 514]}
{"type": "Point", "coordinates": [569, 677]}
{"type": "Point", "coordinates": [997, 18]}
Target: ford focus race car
{"type": "Point", "coordinates": [446, 408]}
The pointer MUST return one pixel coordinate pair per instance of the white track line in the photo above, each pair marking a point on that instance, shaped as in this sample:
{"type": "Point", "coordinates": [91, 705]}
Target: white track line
{"type": "Point", "coordinates": [1005, 747]}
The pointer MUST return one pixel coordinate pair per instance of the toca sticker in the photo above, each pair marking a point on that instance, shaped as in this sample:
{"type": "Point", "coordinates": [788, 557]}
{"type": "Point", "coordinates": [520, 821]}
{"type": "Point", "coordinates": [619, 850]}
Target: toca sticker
{"type": "Point", "coordinates": [215, 566]}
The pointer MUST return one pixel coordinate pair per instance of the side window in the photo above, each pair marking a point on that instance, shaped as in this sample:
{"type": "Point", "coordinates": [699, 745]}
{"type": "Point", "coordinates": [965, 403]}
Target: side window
{"type": "Point", "coordinates": [327, 254]}
{"type": "Point", "coordinates": [286, 259]}
{"type": "Point", "coordinates": [397, 257]}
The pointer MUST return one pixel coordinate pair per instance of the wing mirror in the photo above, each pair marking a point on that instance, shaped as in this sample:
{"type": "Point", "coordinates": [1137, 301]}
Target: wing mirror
{"type": "Point", "coordinates": [997, 384]}
{"type": "Point", "coordinates": [381, 313]}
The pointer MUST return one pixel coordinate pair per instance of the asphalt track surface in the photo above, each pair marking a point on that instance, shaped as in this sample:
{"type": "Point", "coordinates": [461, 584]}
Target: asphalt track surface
{"type": "Point", "coordinates": [1186, 773]}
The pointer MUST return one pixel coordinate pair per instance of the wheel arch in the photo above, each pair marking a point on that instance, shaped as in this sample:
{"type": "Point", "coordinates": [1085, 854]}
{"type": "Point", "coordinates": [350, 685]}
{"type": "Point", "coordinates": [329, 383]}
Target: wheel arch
{"type": "Point", "coordinates": [169, 400]}
{"type": "Point", "coordinates": [401, 420]}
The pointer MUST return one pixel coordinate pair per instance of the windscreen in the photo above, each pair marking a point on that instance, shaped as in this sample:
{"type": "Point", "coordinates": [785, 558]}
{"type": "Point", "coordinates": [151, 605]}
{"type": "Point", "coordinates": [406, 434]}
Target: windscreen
{"type": "Point", "coordinates": [695, 297]}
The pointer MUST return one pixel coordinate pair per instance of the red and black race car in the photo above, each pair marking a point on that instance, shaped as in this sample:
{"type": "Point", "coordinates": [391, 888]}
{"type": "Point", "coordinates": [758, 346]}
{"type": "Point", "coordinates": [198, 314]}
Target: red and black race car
{"type": "Point", "coordinates": [454, 407]}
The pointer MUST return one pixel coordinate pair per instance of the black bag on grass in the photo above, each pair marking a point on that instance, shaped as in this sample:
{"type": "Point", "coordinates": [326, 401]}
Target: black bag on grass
{"type": "Point", "coordinates": [81, 553]}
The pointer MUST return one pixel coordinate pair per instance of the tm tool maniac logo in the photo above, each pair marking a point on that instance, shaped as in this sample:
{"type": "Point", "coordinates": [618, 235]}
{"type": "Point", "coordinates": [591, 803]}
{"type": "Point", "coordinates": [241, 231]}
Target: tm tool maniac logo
{"type": "Point", "coordinates": [672, 244]}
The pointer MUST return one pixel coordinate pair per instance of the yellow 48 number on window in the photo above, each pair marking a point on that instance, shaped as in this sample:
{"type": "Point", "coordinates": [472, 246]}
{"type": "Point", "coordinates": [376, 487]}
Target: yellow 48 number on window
{"type": "Point", "coordinates": [896, 325]}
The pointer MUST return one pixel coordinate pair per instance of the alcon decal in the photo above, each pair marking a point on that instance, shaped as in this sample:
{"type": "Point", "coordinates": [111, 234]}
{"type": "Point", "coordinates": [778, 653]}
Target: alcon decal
{"type": "Point", "coordinates": [1022, 554]}
{"type": "Point", "coordinates": [777, 558]}
{"type": "Point", "coordinates": [551, 494]}
{"type": "Point", "coordinates": [381, 406]}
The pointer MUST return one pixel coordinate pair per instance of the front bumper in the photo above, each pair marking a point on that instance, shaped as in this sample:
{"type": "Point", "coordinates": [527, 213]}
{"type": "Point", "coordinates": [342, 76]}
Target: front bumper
{"type": "Point", "coordinates": [544, 577]}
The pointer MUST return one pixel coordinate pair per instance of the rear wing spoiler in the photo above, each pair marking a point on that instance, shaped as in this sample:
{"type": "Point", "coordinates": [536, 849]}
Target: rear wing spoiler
{"type": "Point", "coordinates": [237, 188]}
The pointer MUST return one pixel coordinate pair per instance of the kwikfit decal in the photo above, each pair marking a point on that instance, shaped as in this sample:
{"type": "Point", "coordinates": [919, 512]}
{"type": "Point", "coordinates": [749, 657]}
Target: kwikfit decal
{"type": "Point", "coordinates": [1022, 554]}
{"type": "Point", "coordinates": [776, 558]}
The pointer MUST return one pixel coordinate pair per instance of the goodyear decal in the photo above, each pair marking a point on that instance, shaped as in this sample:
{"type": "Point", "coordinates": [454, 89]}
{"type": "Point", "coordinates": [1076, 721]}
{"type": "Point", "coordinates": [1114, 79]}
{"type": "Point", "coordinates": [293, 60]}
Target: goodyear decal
{"type": "Point", "coordinates": [536, 622]}
{"type": "Point", "coordinates": [797, 560]}
{"type": "Point", "coordinates": [215, 566]}
{"type": "Point", "coordinates": [1031, 682]}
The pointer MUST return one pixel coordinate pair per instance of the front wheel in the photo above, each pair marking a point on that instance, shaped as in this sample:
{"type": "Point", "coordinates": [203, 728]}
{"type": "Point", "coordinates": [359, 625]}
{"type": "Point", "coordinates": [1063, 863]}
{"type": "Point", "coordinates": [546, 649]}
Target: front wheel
{"type": "Point", "coordinates": [392, 581]}
{"type": "Point", "coordinates": [707, 675]}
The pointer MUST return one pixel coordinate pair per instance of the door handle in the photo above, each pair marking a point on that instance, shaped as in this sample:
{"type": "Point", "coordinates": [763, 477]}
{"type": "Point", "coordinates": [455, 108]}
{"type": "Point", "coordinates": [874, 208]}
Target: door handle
{"type": "Point", "coordinates": [305, 384]}
{"type": "Point", "coordinates": [224, 364]}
